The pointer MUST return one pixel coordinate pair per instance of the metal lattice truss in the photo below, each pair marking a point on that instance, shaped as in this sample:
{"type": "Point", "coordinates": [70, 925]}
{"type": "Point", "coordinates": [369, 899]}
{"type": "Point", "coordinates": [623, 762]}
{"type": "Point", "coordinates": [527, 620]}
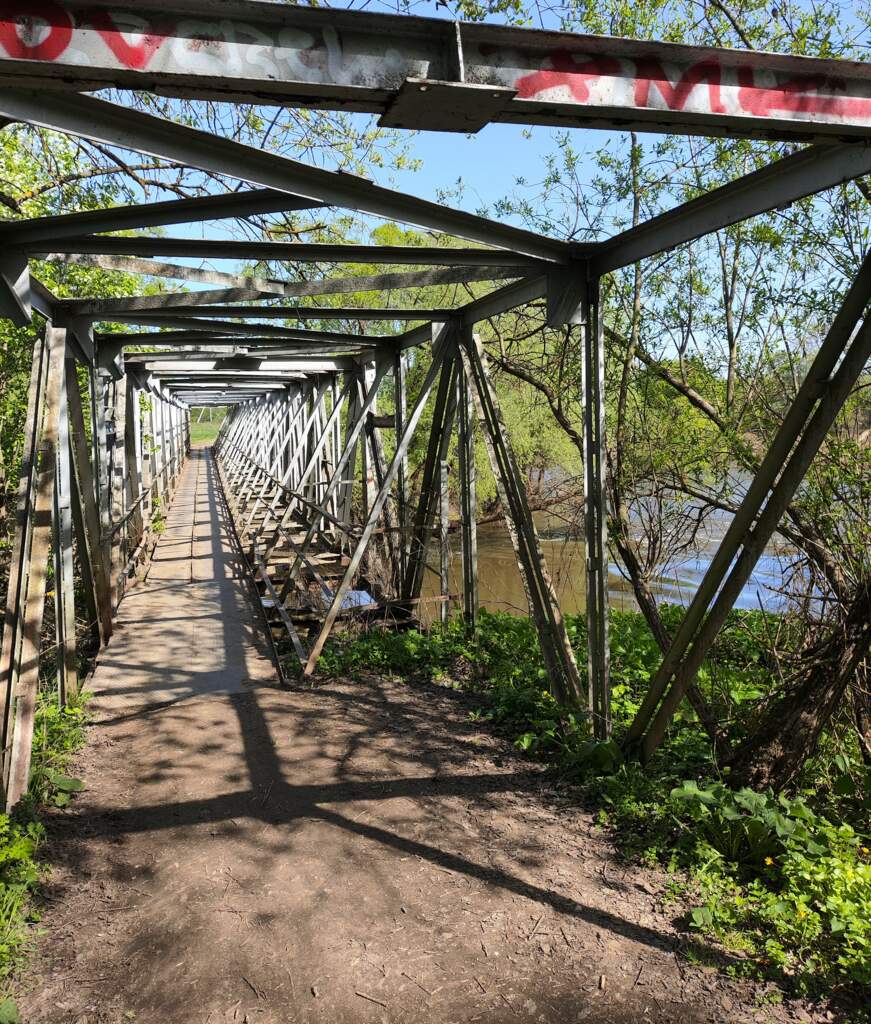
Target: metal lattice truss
{"type": "Point", "coordinates": [322, 509]}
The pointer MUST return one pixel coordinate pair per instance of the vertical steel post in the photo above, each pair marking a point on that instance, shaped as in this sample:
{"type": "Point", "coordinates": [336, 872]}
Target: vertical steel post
{"type": "Point", "coordinates": [444, 550]}
{"type": "Point", "coordinates": [468, 503]}
{"type": "Point", "coordinates": [18, 567]}
{"type": "Point", "coordinates": [91, 548]}
{"type": "Point", "coordinates": [400, 403]}
{"type": "Point", "coordinates": [595, 516]}
{"type": "Point", "coordinates": [18, 767]}
{"type": "Point", "coordinates": [64, 582]}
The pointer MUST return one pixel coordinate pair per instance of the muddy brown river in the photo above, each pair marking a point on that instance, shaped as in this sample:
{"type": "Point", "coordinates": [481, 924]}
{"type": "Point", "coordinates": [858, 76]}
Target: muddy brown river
{"type": "Point", "coordinates": [501, 589]}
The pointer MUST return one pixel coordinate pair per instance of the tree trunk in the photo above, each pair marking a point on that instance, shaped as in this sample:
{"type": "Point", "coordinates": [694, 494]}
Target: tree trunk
{"type": "Point", "coordinates": [862, 710]}
{"type": "Point", "coordinates": [790, 730]}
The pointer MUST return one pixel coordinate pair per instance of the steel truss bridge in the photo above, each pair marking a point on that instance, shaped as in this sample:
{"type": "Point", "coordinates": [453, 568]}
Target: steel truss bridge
{"type": "Point", "coordinates": [303, 428]}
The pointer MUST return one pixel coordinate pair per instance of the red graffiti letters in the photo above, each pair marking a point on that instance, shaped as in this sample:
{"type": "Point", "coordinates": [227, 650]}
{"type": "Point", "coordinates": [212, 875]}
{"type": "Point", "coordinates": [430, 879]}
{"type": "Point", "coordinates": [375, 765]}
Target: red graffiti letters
{"type": "Point", "coordinates": [651, 75]}
{"type": "Point", "coordinates": [132, 56]}
{"type": "Point", "coordinates": [799, 95]}
{"type": "Point", "coordinates": [568, 72]}
{"type": "Point", "coordinates": [34, 29]}
{"type": "Point", "coordinates": [807, 95]}
{"type": "Point", "coordinates": [43, 30]}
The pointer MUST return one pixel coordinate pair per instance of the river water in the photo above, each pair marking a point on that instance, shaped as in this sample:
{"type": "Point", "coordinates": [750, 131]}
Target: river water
{"type": "Point", "coordinates": [501, 589]}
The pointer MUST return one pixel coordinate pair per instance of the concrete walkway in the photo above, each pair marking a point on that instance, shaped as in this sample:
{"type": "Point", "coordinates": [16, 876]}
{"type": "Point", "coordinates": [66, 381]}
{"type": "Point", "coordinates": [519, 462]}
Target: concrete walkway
{"type": "Point", "coordinates": [188, 628]}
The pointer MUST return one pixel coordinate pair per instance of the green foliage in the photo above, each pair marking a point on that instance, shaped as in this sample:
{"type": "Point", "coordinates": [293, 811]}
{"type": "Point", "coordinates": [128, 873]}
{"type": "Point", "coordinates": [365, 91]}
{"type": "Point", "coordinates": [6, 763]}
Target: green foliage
{"type": "Point", "coordinates": [788, 880]}
{"type": "Point", "coordinates": [9, 1012]}
{"type": "Point", "coordinates": [58, 734]}
{"type": "Point", "coordinates": [767, 874]}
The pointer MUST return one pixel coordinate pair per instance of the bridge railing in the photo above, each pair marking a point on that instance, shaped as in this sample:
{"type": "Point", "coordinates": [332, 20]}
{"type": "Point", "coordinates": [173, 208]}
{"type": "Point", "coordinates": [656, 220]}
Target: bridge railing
{"type": "Point", "coordinates": [102, 456]}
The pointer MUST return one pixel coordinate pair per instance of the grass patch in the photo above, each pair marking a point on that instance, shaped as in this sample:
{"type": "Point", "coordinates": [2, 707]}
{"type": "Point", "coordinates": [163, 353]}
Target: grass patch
{"type": "Point", "coordinates": [205, 432]}
{"type": "Point", "coordinates": [59, 734]}
{"type": "Point", "coordinates": [782, 879]}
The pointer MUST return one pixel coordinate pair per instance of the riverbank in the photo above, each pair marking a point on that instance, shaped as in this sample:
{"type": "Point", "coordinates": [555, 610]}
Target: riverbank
{"type": "Point", "coordinates": [782, 892]}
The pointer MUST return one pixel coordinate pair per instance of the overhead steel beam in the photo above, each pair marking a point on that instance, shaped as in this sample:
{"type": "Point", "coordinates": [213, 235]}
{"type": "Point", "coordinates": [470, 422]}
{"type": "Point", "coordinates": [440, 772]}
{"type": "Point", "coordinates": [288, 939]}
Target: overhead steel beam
{"type": "Point", "coordinates": [246, 287]}
{"type": "Point", "coordinates": [228, 386]}
{"type": "Point", "coordinates": [165, 316]}
{"type": "Point", "coordinates": [289, 252]}
{"type": "Point", "coordinates": [180, 376]}
{"type": "Point", "coordinates": [803, 174]}
{"type": "Point", "coordinates": [99, 121]}
{"type": "Point", "coordinates": [195, 338]}
{"type": "Point", "coordinates": [428, 73]}
{"type": "Point", "coordinates": [193, 327]}
{"type": "Point", "coordinates": [149, 215]}
{"type": "Point", "coordinates": [155, 362]}
{"type": "Point", "coordinates": [252, 288]}
{"type": "Point", "coordinates": [497, 302]}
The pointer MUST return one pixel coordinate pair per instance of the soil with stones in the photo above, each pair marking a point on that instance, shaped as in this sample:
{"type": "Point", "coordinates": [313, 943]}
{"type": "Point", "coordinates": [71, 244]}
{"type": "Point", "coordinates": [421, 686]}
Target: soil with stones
{"type": "Point", "coordinates": [357, 852]}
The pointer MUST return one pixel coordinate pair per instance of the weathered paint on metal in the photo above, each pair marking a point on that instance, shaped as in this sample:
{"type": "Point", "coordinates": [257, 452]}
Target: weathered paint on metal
{"type": "Point", "coordinates": [358, 60]}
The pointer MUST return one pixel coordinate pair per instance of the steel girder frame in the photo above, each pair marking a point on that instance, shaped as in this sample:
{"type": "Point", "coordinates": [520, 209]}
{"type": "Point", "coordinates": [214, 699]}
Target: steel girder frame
{"type": "Point", "coordinates": [431, 74]}
{"type": "Point", "coordinates": [464, 74]}
{"type": "Point", "coordinates": [75, 506]}
{"type": "Point", "coordinates": [294, 538]}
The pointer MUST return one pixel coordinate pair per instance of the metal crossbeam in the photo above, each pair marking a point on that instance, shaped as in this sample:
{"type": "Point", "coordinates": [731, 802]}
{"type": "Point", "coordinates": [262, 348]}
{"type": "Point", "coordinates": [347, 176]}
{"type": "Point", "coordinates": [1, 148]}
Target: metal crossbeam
{"type": "Point", "coordinates": [282, 312]}
{"type": "Point", "coordinates": [803, 174]}
{"type": "Point", "coordinates": [108, 123]}
{"type": "Point", "coordinates": [150, 215]}
{"type": "Point", "coordinates": [195, 329]}
{"type": "Point", "coordinates": [287, 252]}
{"type": "Point", "coordinates": [431, 73]}
{"type": "Point", "coordinates": [241, 287]}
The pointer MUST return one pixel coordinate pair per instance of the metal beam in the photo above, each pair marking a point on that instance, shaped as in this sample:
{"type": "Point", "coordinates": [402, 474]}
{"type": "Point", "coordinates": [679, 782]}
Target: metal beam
{"type": "Point", "coordinates": [287, 252]}
{"type": "Point", "coordinates": [803, 174]}
{"type": "Point", "coordinates": [218, 329]}
{"type": "Point", "coordinates": [497, 302]}
{"type": "Point", "coordinates": [155, 362]}
{"type": "Point", "coordinates": [595, 512]}
{"type": "Point", "coordinates": [251, 288]}
{"type": "Point", "coordinates": [430, 73]}
{"type": "Point", "coordinates": [283, 312]}
{"type": "Point", "coordinates": [99, 121]}
{"type": "Point", "coordinates": [248, 287]}
{"type": "Point", "coordinates": [149, 215]}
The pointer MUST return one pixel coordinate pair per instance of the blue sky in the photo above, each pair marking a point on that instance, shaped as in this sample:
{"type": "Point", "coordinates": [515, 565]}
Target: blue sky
{"type": "Point", "coordinates": [489, 163]}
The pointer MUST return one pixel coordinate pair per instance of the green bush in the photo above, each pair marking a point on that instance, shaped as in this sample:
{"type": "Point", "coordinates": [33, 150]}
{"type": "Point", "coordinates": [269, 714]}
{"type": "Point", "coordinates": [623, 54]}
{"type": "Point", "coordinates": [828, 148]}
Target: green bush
{"type": "Point", "coordinates": [805, 901]}
{"type": "Point", "coordinates": [58, 734]}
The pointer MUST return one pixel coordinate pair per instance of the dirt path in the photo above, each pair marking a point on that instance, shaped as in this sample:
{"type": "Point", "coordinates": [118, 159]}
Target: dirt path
{"type": "Point", "coordinates": [359, 852]}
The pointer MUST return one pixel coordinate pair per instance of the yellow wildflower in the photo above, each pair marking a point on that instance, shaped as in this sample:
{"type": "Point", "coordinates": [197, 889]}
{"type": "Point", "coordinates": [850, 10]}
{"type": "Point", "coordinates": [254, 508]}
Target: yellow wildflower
{"type": "Point", "coordinates": [769, 861]}
{"type": "Point", "coordinates": [865, 849]}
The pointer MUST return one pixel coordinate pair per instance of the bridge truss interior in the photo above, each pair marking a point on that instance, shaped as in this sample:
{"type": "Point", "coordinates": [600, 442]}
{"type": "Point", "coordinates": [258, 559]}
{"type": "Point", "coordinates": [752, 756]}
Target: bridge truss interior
{"type": "Point", "coordinates": [315, 473]}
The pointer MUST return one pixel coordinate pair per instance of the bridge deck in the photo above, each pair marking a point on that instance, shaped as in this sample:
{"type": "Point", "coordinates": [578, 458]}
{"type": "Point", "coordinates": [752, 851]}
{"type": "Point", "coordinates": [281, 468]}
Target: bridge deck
{"type": "Point", "coordinates": [189, 628]}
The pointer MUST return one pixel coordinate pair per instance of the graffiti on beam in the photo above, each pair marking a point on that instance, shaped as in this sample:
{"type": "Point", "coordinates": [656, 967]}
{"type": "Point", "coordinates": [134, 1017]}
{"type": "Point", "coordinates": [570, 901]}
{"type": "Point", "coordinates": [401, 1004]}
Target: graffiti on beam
{"type": "Point", "coordinates": [705, 87]}
{"type": "Point", "coordinates": [66, 33]}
